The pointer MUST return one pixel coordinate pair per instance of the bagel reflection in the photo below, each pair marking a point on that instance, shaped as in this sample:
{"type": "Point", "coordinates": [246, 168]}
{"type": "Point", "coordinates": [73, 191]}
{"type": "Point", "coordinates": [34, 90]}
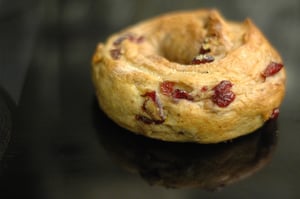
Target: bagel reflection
{"type": "Point", "coordinates": [6, 112]}
{"type": "Point", "coordinates": [178, 165]}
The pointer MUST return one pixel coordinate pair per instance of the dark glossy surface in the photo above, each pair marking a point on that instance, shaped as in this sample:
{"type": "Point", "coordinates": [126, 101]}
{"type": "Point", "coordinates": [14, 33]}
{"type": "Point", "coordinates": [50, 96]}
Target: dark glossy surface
{"type": "Point", "coordinates": [57, 144]}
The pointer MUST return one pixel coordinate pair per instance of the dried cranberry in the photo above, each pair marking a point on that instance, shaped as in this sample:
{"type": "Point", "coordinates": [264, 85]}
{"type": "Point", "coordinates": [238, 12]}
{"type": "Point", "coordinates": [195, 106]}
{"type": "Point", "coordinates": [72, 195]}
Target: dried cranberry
{"type": "Point", "coordinates": [119, 40]}
{"type": "Point", "coordinates": [153, 108]}
{"type": "Point", "coordinates": [130, 36]}
{"type": "Point", "coordinates": [148, 120]}
{"type": "Point", "coordinates": [168, 88]}
{"type": "Point", "coordinates": [151, 95]}
{"type": "Point", "coordinates": [144, 119]}
{"type": "Point", "coordinates": [204, 88]}
{"type": "Point", "coordinates": [115, 53]}
{"type": "Point", "coordinates": [140, 39]}
{"type": "Point", "coordinates": [181, 94]}
{"type": "Point", "coordinates": [275, 114]}
{"type": "Point", "coordinates": [136, 39]}
{"type": "Point", "coordinates": [154, 101]}
{"type": "Point", "coordinates": [223, 96]}
{"type": "Point", "coordinates": [202, 59]}
{"type": "Point", "coordinates": [204, 50]}
{"type": "Point", "coordinates": [272, 69]}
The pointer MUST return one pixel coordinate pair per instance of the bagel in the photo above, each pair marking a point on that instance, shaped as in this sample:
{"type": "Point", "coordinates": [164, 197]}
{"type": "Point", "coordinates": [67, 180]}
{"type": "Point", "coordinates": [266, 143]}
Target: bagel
{"type": "Point", "coordinates": [189, 76]}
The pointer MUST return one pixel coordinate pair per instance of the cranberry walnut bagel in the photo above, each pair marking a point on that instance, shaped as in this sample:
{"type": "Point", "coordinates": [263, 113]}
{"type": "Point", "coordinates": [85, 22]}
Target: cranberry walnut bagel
{"type": "Point", "coordinates": [189, 76]}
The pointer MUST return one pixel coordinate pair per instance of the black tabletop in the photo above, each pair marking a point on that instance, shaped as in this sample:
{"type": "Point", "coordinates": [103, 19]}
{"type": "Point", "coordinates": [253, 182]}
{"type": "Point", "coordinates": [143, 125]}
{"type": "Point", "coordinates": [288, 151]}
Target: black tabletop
{"type": "Point", "coordinates": [56, 143]}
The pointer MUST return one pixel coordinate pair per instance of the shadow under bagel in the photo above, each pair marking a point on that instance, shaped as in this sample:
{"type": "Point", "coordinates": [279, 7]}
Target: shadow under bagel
{"type": "Point", "coordinates": [186, 165]}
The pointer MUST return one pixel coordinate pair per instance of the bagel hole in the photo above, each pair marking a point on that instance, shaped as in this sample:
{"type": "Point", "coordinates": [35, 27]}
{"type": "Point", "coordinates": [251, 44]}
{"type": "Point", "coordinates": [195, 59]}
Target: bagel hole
{"type": "Point", "coordinates": [181, 51]}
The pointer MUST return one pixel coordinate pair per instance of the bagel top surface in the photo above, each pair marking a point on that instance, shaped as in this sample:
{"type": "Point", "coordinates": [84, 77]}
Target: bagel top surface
{"type": "Point", "coordinates": [189, 76]}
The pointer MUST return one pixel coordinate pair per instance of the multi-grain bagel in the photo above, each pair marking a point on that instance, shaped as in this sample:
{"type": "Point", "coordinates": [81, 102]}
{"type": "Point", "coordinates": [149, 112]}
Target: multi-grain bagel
{"type": "Point", "coordinates": [189, 76]}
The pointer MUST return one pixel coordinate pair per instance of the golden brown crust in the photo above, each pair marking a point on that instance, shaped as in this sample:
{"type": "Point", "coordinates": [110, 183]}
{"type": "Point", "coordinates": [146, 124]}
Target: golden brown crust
{"type": "Point", "coordinates": [189, 76]}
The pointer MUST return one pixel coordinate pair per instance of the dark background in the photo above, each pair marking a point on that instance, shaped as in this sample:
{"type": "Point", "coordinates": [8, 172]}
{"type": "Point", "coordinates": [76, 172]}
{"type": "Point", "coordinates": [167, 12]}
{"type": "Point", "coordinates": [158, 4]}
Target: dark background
{"type": "Point", "coordinates": [52, 143]}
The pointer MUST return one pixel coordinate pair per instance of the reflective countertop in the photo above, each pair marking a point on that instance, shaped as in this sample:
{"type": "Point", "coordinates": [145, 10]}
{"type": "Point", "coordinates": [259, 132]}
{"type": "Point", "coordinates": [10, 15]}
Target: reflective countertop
{"type": "Point", "coordinates": [56, 143]}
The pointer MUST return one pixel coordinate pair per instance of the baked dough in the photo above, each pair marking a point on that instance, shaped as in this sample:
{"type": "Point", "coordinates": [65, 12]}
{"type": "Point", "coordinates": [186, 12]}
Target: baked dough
{"type": "Point", "coordinates": [189, 76]}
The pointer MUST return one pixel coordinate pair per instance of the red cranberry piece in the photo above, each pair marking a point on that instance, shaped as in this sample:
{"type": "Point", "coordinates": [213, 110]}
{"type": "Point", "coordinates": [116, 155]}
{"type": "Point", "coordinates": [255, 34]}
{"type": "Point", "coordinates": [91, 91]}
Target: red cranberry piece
{"type": "Point", "coordinates": [140, 39]}
{"type": "Point", "coordinates": [272, 69]}
{"type": "Point", "coordinates": [148, 120]}
{"type": "Point", "coordinates": [202, 59]}
{"type": "Point", "coordinates": [275, 114]}
{"type": "Point", "coordinates": [181, 94]}
{"type": "Point", "coordinates": [223, 96]}
{"type": "Point", "coordinates": [167, 88]}
{"type": "Point", "coordinates": [153, 108]}
{"type": "Point", "coordinates": [130, 36]}
{"type": "Point", "coordinates": [204, 50]}
{"type": "Point", "coordinates": [144, 119]}
{"type": "Point", "coordinates": [155, 101]}
{"type": "Point", "coordinates": [204, 89]}
{"type": "Point", "coordinates": [115, 53]}
{"type": "Point", "coordinates": [151, 95]}
{"type": "Point", "coordinates": [135, 39]}
{"type": "Point", "coordinates": [119, 40]}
